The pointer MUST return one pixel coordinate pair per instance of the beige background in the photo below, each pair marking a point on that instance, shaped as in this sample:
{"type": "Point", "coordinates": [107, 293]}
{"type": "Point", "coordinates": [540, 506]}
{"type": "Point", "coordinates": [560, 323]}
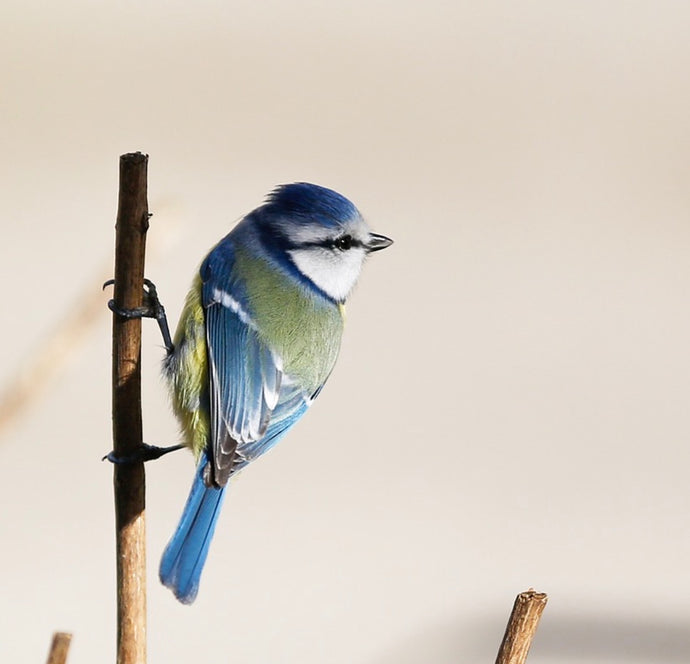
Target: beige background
{"type": "Point", "coordinates": [511, 404]}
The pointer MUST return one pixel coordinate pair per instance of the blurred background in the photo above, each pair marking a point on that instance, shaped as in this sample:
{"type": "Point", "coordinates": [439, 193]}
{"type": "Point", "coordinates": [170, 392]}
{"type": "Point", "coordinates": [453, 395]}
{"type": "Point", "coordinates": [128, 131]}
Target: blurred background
{"type": "Point", "coordinates": [510, 408]}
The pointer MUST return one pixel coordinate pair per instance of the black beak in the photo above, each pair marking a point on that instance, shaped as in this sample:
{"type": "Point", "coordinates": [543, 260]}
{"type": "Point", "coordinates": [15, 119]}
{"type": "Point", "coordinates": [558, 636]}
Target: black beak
{"type": "Point", "coordinates": [377, 242]}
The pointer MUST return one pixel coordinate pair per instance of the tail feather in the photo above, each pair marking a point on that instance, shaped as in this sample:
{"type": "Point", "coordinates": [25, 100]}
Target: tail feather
{"type": "Point", "coordinates": [184, 557]}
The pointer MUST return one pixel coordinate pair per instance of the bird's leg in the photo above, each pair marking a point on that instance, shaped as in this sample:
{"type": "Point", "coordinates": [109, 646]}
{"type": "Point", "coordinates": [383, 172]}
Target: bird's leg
{"type": "Point", "coordinates": [144, 453]}
{"type": "Point", "coordinates": [152, 308]}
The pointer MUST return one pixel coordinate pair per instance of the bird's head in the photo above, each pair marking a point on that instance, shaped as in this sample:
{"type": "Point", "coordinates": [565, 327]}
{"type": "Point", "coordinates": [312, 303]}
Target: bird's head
{"type": "Point", "coordinates": [321, 233]}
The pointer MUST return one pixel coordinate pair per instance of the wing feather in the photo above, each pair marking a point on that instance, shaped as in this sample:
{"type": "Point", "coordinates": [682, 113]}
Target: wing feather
{"type": "Point", "coordinates": [253, 403]}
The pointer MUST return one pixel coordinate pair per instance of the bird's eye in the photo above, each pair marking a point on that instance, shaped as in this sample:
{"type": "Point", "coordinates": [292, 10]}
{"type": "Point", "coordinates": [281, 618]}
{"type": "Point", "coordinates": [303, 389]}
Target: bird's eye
{"type": "Point", "coordinates": [343, 243]}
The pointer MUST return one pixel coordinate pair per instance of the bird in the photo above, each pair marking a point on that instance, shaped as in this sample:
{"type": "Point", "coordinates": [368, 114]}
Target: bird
{"type": "Point", "coordinates": [257, 339]}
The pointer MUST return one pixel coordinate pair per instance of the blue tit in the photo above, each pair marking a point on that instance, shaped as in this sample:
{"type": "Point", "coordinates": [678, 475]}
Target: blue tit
{"type": "Point", "coordinates": [258, 337]}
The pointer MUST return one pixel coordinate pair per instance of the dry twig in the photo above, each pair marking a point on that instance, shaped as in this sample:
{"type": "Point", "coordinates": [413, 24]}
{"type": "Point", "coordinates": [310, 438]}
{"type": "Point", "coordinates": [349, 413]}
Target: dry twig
{"type": "Point", "coordinates": [129, 479]}
{"type": "Point", "coordinates": [59, 648]}
{"type": "Point", "coordinates": [521, 627]}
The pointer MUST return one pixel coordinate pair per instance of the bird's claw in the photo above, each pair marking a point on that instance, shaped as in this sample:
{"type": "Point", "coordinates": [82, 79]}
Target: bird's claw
{"type": "Point", "coordinates": [151, 308]}
{"type": "Point", "coordinates": [141, 455]}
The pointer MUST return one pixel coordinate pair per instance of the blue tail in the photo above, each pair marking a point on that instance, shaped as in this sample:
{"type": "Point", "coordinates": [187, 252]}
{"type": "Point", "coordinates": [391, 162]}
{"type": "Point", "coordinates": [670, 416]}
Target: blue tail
{"type": "Point", "coordinates": [184, 557]}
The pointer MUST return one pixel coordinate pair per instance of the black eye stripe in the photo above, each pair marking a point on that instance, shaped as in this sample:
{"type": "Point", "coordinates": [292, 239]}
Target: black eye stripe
{"type": "Point", "coordinates": [343, 243]}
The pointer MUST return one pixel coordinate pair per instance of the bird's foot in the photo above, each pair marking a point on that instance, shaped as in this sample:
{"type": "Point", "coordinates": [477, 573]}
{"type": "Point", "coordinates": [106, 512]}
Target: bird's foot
{"type": "Point", "coordinates": [142, 454]}
{"type": "Point", "coordinates": [151, 308]}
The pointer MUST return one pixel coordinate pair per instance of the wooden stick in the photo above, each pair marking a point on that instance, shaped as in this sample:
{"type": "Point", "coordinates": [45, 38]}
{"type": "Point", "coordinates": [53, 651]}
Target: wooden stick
{"type": "Point", "coordinates": [521, 627]}
{"type": "Point", "coordinates": [59, 648]}
{"type": "Point", "coordinates": [129, 479]}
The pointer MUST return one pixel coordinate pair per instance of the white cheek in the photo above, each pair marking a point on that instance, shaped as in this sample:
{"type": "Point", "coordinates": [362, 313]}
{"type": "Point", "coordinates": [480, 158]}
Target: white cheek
{"type": "Point", "coordinates": [335, 273]}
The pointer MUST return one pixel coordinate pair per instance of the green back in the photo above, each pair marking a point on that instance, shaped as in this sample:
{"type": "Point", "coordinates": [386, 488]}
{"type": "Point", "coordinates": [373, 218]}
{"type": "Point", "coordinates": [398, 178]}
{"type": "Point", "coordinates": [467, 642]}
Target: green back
{"type": "Point", "coordinates": [302, 327]}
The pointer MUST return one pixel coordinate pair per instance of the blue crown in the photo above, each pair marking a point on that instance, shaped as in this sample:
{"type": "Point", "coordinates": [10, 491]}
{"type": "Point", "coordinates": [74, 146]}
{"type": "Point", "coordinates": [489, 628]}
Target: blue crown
{"type": "Point", "coordinates": [303, 201]}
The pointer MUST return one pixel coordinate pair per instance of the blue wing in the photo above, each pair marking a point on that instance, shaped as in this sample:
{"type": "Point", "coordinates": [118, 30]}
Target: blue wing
{"type": "Point", "coordinates": [252, 402]}
{"type": "Point", "coordinates": [292, 404]}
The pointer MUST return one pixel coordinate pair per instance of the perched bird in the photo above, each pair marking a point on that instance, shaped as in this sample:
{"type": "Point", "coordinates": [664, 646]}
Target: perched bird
{"type": "Point", "coordinates": [257, 339]}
